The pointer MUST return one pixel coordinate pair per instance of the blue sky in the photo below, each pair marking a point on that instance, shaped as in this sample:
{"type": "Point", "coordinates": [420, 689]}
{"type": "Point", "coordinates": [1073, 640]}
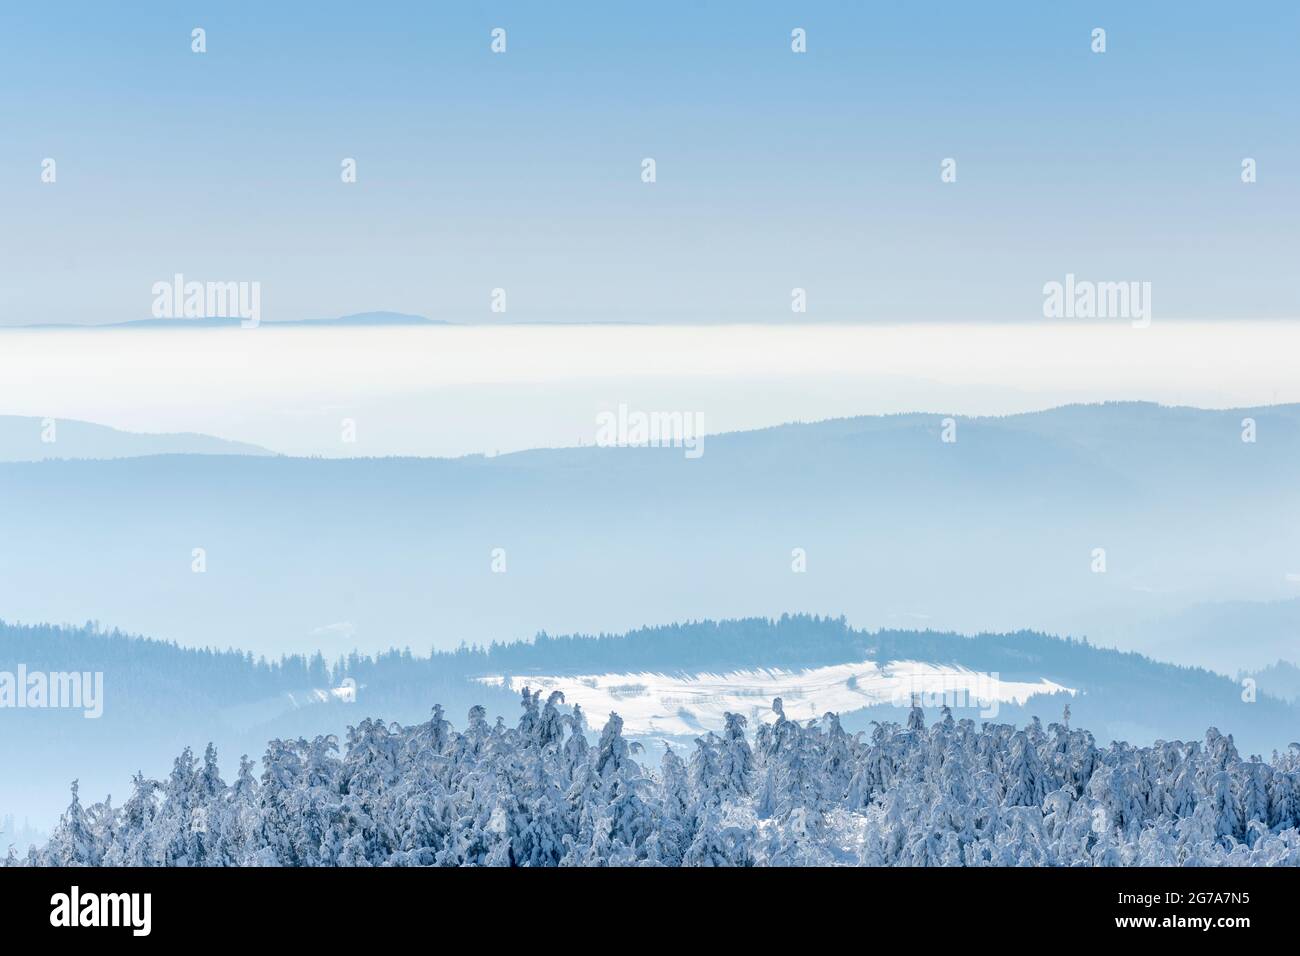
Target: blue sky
{"type": "Point", "coordinates": [775, 170]}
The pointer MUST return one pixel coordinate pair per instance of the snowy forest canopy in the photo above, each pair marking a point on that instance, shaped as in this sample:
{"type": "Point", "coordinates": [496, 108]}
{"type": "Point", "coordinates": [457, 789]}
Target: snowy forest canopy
{"type": "Point", "coordinates": [542, 794]}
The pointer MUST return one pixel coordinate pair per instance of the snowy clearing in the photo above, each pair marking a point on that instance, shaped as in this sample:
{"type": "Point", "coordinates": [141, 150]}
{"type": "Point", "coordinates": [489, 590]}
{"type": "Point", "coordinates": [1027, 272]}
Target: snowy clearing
{"type": "Point", "coordinates": [686, 705]}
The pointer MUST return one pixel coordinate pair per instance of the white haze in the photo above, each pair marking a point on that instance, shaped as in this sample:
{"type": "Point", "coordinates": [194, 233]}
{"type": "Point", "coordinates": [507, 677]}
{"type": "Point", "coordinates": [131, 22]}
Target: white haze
{"type": "Point", "coordinates": [451, 390]}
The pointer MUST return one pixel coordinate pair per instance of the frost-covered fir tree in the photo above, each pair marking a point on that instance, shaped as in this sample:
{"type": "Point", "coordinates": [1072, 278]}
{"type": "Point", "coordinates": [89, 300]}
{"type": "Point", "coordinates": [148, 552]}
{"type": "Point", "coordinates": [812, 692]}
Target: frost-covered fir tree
{"type": "Point", "coordinates": [541, 793]}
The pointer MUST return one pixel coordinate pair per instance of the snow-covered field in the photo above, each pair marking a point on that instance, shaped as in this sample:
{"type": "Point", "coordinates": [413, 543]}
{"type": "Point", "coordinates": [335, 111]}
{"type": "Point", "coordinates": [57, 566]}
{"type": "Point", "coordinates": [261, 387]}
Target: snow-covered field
{"type": "Point", "coordinates": [684, 705]}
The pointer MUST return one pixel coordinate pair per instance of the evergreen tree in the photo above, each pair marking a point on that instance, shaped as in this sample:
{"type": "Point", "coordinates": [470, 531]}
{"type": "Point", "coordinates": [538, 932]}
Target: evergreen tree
{"type": "Point", "coordinates": [538, 794]}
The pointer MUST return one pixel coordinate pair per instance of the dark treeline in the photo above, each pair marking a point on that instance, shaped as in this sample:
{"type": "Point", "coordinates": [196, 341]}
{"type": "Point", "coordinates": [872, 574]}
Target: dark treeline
{"type": "Point", "coordinates": [148, 674]}
{"type": "Point", "coordinates": [236, 674]}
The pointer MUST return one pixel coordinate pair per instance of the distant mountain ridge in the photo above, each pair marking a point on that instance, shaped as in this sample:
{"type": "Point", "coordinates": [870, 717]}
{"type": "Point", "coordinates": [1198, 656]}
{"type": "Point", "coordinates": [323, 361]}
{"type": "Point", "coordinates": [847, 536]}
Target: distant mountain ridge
{"type": "Point", "coordinates": [997, 531]}
{"type": "Point", "coordinates": [1280, 680]}
{"type": "Point", "coordinates": [1196, 634]}
{"type": "Point", "coordinates": [30, 439]}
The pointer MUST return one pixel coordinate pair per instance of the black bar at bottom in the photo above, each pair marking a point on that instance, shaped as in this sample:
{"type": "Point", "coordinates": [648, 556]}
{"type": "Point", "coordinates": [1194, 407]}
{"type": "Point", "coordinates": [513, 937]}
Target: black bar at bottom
{"type": "Point", "coordinates": [338, 906]}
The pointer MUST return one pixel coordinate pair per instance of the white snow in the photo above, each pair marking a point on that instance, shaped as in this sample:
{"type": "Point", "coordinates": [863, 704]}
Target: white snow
{"type": "Point", "coordinates": [687, 705]}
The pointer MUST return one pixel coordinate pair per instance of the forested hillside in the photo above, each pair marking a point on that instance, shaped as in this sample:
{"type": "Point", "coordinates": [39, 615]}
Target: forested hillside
{"type": "Point", "coordinates": [160, 698]}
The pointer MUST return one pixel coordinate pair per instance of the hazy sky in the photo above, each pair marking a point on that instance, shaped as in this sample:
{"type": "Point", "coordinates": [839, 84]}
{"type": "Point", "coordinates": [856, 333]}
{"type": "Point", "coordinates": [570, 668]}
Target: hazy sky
{"type": "Point", "coordinates": [774, 169]}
